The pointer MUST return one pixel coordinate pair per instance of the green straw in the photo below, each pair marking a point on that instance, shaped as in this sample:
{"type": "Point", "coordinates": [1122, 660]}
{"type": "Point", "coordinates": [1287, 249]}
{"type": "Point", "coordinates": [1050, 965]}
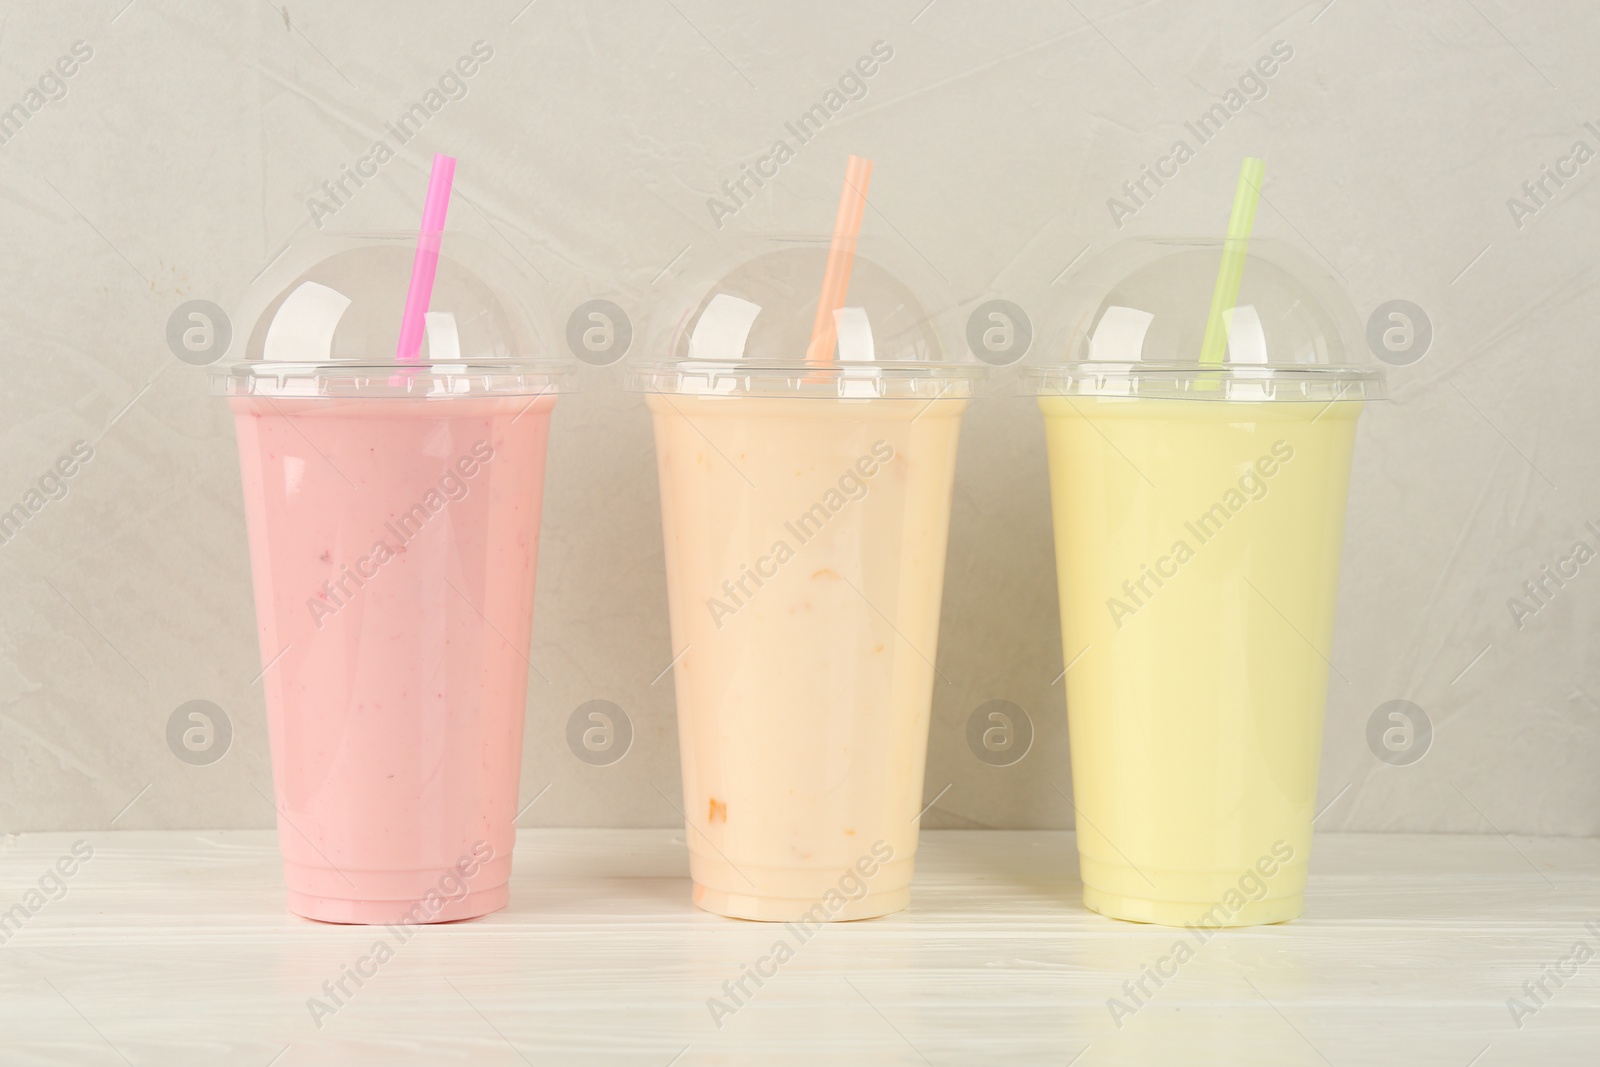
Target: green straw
{"type": "Point", "coordinates": [1226, 294]}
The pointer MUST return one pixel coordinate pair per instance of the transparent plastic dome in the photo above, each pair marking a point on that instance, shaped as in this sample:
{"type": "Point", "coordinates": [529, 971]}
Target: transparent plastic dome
{"type": "Point", "coordinates": [746, 329]}
{"type": "Point", "coordinates": [324, 320]}
{"type": "Point", "coordinates": [1134, 321]}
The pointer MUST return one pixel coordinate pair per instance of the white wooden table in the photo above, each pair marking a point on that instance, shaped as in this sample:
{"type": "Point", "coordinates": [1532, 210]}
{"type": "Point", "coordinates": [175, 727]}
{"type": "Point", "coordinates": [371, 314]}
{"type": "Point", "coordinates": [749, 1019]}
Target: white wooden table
{"type": "Point", "coordinates": [174, 948]}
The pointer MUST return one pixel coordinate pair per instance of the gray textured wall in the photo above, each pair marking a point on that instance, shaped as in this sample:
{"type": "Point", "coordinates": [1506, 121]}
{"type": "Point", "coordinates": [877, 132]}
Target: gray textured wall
{"type": "Point", "coordinates": [181, 157]}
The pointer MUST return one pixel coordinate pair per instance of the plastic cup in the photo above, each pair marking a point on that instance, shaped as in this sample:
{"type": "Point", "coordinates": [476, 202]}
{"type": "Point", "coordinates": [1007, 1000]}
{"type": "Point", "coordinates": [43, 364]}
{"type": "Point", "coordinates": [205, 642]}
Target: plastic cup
{"type": "Point", "coordinates": [1199, 513]}
{"type": "Point", "coordinates": [805, 513]}
{"type": "Point", "coordinates": [393, 519]}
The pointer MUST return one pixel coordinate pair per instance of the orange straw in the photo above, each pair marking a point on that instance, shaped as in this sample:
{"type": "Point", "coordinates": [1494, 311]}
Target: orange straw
{"type": "Point", "coordinates": [841, 257]}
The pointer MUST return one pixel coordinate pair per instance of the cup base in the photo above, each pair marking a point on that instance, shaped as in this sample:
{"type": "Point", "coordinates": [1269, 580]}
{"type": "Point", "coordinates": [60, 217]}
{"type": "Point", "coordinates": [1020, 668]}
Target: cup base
{"type": "Point", "coordinates": [394, 912]}
{"type": "Point", "coordinates": [788, 910]}
{"type": "Point", "coordinates": [1185, 913]}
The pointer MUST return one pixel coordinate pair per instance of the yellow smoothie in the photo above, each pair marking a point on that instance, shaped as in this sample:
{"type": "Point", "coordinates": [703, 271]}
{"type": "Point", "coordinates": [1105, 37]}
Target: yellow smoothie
{"type": "Point", "coordinates": [805, 548]}
{"type": "Point", "coordinates": [1197, 549]}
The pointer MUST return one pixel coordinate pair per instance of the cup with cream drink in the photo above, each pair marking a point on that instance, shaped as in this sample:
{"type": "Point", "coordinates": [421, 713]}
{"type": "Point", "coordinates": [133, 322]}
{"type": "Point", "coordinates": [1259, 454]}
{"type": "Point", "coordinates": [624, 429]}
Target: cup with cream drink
{"type": "Point", "coordinates": [393, 515]}
{"type": "Point", "coordinates": [806, 450]}
{"type": "Point", "coordinates": [1198, 482]}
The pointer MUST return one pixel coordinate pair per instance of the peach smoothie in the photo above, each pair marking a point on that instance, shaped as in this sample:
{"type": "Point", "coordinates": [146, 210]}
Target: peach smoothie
{"type": "Point", "coordinates": [805, 548]}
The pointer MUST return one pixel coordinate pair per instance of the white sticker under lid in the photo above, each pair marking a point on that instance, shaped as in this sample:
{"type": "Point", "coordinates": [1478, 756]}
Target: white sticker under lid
{"type": "Point", "coordinates": [855, 335]}
{"type": "Point", "coordinates": [1247, 347]}
{"type": "Point", "coordinates": [855, 346]}
{"type": "Point", "coordinates": [1247, 340]}
{"type": "Point", "coordinates": [302, 330]}
{"type": "Point", "coordinates": [723, 328]}
{"type": "Point", "coordinates": [444, 341]}
{"type": "Point", "coordinates": [1119, 335]}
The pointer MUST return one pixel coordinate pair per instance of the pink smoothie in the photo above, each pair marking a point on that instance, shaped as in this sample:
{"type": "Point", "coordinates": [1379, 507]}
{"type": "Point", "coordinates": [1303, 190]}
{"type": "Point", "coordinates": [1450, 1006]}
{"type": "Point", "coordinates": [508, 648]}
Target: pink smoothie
{"type": "Point", "coordinates": [393, 545]}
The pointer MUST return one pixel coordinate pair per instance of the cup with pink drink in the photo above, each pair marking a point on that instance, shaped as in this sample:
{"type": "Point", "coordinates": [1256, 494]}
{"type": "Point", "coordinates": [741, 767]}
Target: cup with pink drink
{"type": "Point", "coordinates": [392, 411]}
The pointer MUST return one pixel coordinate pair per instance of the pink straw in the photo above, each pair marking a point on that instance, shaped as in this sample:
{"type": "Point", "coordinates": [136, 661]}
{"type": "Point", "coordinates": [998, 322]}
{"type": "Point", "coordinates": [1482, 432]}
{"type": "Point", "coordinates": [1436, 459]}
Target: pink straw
{"type": "Point", "coordinates": [426, 264]}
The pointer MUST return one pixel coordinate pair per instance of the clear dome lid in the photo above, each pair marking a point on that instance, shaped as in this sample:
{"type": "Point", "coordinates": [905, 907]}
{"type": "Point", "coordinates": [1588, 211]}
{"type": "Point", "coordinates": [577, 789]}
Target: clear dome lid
{"type": "Point", "coordinates": [1135, 318]}
{"type": "Point", "coordinates": [324, 321]}
{"type": "Point", "coordinates": [746, 330]}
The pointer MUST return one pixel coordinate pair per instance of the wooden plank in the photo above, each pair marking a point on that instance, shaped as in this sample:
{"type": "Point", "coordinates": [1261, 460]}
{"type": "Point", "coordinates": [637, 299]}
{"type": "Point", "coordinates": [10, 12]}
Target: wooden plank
{"type": "Point", "coordinates": [174, 948]}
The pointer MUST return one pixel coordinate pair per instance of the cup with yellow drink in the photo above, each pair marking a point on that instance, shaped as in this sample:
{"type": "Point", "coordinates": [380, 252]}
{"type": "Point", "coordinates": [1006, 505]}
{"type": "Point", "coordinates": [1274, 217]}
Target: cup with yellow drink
{"type": "Point", "coordinates": [1199, 459]}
